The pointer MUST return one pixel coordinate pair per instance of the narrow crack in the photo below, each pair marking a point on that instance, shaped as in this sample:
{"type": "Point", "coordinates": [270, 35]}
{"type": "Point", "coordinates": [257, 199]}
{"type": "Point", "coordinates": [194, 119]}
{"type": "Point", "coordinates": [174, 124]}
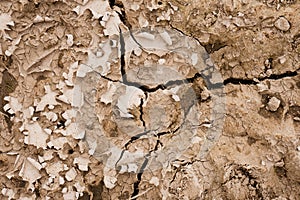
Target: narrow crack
{"type": "Point", "coordinates": [209, 47]}
{"type": "Point", "coordinates": [168, 132]}
{"type": "Point", "coordinates": [237, 81]}
{"type": "Point", "coordinates": [136, 184]}
{"type": "Point", "coordinates": [142, 113]}
{"type": "Point", "coordinates": [136, 137]}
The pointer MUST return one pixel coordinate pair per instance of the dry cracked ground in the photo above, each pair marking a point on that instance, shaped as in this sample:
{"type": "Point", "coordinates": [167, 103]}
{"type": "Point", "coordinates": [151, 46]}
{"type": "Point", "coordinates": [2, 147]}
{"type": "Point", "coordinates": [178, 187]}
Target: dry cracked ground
{"type": "Point", "coordinates": [150, 99]}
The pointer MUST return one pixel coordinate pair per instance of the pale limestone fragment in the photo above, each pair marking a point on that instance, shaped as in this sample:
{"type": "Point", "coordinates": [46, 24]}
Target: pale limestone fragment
{"type": "Point", "coordinates": [62, 155]}
{"type": "Point", "coordinates": [79, 187]}
{"type": "Point", "coordinates": [166, 37]}
{"type": "Point", "coordinates": [262, 87]}
{"type": "Point", "coordinates": [61, 180]}
{"type": "Point", "coordinates": [110, 181]}
{"type": "Point", "coordinates": [47, 156]}
{"type": "Point", "coordinates": [143, 21]}
{"type": "Point", "coordinates": [78, 97]}
{"type": "Point", "coordinates": [72, 130]}
{"type": "Point", "coordinates": [154, 180]}
{"type": "Point", "coordinates": [71, 195]}
{"type": "Point", "coordinates": [165, 15]}
{"type": "Point", "coordinates": [111, 25]}
{"type": "Point", "coordinates": [107, 96]}
{"type": "Point", "coordinates": [5, 20]}
{"type": "Point", "coordinates": [68, 115]}
{"type": "Point", "coordinates": [57, 143]}
{"type": "Point", "coordinates": [132, 167]}
{"type": "Point", "coordinates": [38, 19]}
{"type": "Point", "coordinates": [36, 135]}
{"type": "Point", "coordinates": [54, 168]}
{"type": "Point", "coordinates": [161, 61]}
{"type": "Point", "coordinates": [131, 98]}
{"type": "Point", "coordinates": [71, 174]}
{"type": "Point", "coordinates": [145, 35]}
{"type": "Point", "coordinates": [70, 41]}
{"type": "Point", "coordinates": [194, 58]}
{"type": "Point", "coordinates": [95, 6]}
{"type": "Point", "coordinates": [13, 106]}
{"type": "Point", "coordinates": [8, 193]}
{"type": "Point", "coordinates": [273, 104]}
{"type": "Point", "coordinates": [282, 24]}
{"type": "Point", "coordinates": [35, 163]}
{"type": "Point", "coordinates": [28, 112]}
{"type": "Point", "coordinates": [94, 62]}
{"type": "Point", "coordinates": [48, 99]}
{"type": "Point", "coordinates": [82, 163]}
{"type": "Point", "coordinates": [69, 76]}
{"type": "Point", "coordinates": [51, 116]}
{"type": "Point", "coordinates": [29, 173]}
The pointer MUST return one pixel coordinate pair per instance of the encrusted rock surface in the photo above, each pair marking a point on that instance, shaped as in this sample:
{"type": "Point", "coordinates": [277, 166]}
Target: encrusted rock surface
{"type": "Point", "coordinates": [149, 99]}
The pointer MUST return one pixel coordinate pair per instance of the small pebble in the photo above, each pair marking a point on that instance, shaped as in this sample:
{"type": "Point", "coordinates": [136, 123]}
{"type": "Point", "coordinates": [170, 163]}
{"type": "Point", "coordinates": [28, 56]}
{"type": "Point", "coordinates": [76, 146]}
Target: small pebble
{"type": "Point", "coordinates": [282, 24]}
{"type": "Point", "coordinates": [273, 104]}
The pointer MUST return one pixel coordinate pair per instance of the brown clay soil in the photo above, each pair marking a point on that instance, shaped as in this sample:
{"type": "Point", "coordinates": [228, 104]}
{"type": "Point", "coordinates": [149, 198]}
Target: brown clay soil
{"type": "Point", "coordinates": [54, 136]}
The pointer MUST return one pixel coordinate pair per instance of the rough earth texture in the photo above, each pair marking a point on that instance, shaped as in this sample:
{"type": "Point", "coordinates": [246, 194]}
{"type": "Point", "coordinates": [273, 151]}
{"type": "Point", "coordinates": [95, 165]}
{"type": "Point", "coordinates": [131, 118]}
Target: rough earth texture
{"type": "Point", "coordinates": [87, 111]}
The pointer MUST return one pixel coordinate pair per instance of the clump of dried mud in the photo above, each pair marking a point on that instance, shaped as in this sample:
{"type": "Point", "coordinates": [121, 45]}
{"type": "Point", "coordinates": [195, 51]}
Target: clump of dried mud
{"type": "Point", "coordinates": [61, 100]}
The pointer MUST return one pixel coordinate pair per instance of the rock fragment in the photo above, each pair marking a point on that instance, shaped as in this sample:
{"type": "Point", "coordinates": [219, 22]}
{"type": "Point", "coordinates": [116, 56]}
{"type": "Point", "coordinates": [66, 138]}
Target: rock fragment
{"type": "Point", "coordinates": [282, 24]}
{"type": "Point", "coordinates": [71, 174]}
{"type": "Point", "coordinates": [273, 104]}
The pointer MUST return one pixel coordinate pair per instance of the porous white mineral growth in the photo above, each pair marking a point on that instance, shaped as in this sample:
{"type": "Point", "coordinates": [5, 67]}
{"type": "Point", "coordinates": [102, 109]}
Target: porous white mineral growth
{"type": "Point", "coordinates": [273, 104]}
{"type": "Point", "coordinates": [282, 24]}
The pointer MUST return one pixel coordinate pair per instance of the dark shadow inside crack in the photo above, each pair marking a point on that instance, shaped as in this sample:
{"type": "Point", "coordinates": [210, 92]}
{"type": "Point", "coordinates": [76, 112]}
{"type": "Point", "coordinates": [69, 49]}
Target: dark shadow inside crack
{"type": "Point", "coordinates": [7, 86]}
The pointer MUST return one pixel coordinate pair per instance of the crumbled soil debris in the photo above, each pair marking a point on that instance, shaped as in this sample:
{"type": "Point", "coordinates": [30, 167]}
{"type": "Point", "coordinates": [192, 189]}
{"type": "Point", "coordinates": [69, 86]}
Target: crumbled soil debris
{"type": "Point", "coordinates": [149, 99]}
